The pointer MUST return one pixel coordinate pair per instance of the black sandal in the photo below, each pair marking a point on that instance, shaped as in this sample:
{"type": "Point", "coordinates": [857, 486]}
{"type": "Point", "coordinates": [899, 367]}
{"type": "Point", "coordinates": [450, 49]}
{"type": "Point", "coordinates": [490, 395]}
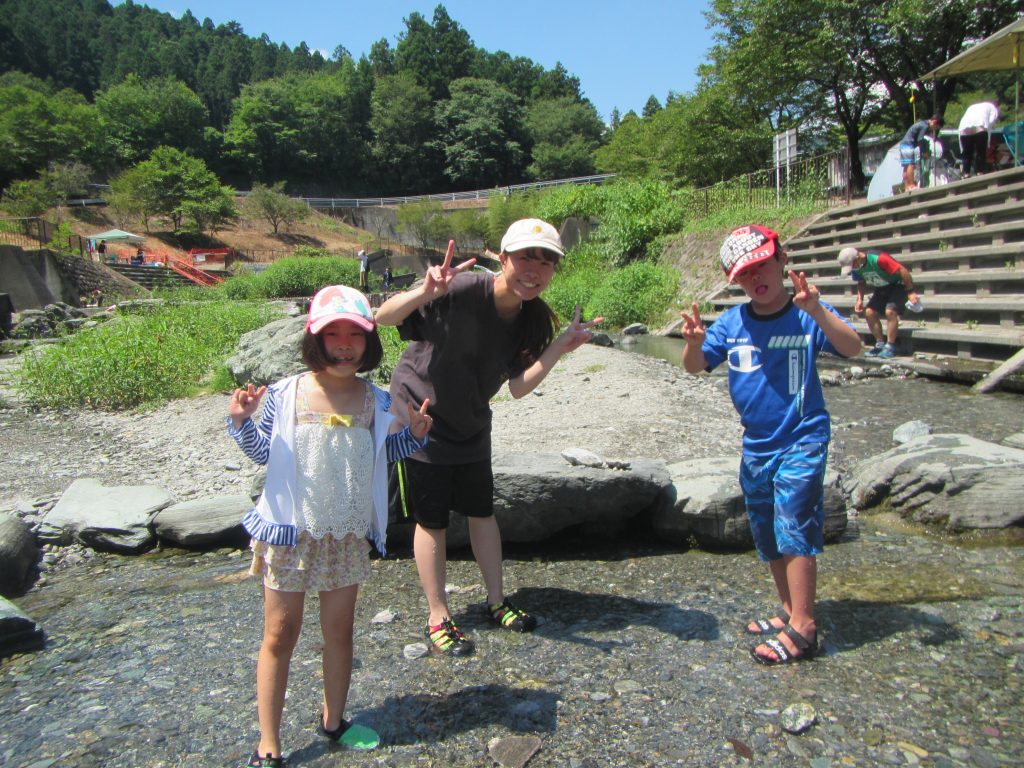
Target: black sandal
{"type": "Point", "coordinates": [765, 626]}
{"type": "Point", "coordinates": [265, 762]}
{"type": "Point", "coordinates": [808, 648]}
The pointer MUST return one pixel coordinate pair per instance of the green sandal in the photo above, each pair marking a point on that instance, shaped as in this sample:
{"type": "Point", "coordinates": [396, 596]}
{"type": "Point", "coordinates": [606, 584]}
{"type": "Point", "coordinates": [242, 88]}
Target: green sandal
{"type": "Point", "coordinates": [351, 735]}
{"type": "Point", "coordinates": [448, 639]}
{"type": "Point", "coordinates": [508, 616]}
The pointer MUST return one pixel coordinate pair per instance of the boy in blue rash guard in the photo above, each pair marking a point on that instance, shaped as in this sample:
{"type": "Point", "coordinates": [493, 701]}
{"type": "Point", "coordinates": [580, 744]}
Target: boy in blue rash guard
{"type": "Point", "coordinates": [771, 344]}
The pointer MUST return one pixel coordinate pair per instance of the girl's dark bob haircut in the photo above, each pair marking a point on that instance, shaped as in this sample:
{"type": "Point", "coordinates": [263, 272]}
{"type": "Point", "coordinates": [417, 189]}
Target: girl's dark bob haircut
{"type": "Point", "coordinates": [315, 356]}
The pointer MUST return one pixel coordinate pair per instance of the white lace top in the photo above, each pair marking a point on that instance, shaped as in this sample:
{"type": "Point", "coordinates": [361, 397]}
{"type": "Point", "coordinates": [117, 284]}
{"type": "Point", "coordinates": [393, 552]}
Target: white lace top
{"type": "Point", "coordinates": [334, 468]}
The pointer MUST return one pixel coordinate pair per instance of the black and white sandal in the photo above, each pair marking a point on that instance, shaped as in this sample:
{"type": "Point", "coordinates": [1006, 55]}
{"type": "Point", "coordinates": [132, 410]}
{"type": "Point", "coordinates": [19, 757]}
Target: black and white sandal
{"type": "Point", "coordinates": [808, 648]}
{"type": "Point", "coordinates": [266, 761]}
{"type": "Point", "coordinates": [765, 626]}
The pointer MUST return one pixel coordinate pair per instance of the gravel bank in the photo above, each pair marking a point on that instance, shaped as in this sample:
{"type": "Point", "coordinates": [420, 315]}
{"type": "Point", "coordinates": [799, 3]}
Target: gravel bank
{"type": "Point", "coordinates": [639, 659]}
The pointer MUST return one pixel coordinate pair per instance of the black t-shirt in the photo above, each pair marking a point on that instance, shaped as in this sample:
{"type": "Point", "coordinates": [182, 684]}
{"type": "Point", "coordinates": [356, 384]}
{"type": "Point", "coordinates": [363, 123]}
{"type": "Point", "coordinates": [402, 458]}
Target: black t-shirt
{"type": "Point", "coordinates": [461, 354]}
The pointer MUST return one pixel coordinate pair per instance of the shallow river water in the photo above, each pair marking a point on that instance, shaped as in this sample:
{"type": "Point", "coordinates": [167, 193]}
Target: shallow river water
{"type": "Point", "coordinates": [640, 657]}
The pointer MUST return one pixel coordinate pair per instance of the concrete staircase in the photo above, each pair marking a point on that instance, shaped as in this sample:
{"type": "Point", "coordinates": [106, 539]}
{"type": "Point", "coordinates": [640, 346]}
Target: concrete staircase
{"type": "Point", "coordinates": [151, 276]}
{"type": "Point", "coordinates": [964, 245]}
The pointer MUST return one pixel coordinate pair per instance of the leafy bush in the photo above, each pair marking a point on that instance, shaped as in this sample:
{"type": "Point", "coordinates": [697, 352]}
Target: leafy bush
{"type": "Point", "coordinates": [502, 211]}
{"type": "Point", "coordinates": [147, 357]}
{"type": "Point", "coordinates": [579, 201]}
{"type": "Point", "coordinates": [579, 275]}
{"type": "Point", "coordinates": [637, 293]}
{"type": "Point", "coordinates": [393, 349]}
{"type": "Point", "coordinates": [299, 275]}
{"type": "Point", "coordinates": [635, 212]}
{"type": "Point", "coordinates": [244, 287]}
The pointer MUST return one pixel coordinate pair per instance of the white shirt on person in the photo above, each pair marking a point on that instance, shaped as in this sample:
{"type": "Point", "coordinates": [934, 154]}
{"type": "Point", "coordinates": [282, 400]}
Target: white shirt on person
{"type": "Point", "coordinates": [979, 117]}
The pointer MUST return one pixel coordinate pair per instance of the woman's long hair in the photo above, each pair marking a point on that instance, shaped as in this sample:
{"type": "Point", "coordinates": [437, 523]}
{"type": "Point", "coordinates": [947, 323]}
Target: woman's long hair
{"type": "Point", "coordinates": [538, 324]}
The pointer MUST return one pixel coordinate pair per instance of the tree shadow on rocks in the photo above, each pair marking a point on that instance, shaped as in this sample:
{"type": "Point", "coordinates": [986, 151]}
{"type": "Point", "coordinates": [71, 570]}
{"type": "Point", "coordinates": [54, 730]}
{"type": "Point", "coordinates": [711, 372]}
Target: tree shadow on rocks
{"type": "Point", "coordinates": [851, 624]}
{"type": "Point", "coordinates": [428, 718]}
{"type": "Point", "coordinates": [579, 617]}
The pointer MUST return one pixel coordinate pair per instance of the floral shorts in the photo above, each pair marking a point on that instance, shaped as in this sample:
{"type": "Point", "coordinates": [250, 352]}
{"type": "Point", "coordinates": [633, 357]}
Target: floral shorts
{"type": "Point", "coordinates": [312, 565]}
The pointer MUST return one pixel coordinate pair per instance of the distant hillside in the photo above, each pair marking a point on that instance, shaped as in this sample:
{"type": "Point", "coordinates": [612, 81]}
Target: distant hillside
{"type": "Point", "coordinates": [105, 86]}
{"type": "Point", "coordinates": [253, 238]}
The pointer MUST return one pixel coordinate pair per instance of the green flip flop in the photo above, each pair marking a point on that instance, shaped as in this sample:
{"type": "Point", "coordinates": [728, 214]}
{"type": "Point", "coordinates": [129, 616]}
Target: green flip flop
{"type": "Point", "coordinates": [352, 735]}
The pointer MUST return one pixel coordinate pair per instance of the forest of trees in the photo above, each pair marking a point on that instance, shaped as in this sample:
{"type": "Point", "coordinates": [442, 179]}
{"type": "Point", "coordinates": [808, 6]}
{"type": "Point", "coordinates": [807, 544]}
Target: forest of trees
{"type": "Point", "coordinates": [104, 89]}
{"type": "Point", "coordinates": [103, 85]}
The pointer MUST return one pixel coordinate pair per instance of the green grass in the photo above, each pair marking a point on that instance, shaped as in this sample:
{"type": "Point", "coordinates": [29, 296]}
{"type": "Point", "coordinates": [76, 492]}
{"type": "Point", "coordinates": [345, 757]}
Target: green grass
{"type": "Point", "coordinates": [729, 217]}
{"type": "Point", "coordinates": [140, 359]}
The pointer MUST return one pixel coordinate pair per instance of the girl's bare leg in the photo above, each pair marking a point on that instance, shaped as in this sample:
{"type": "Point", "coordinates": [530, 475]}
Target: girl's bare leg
{"type": "Point", "coordinates": [337, 619]}
{"type": "Point", "coordinates": [282, 620]}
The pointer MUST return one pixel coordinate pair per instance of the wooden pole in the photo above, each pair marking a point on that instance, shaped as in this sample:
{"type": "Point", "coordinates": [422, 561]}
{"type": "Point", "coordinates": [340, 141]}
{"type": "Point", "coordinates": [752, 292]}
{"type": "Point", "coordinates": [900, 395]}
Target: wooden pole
{"type": "Point", "coordinates": [991, 381]}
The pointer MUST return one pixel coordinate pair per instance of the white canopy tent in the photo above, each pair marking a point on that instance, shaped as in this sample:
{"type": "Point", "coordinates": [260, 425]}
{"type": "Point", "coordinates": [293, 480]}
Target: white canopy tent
{"type": "Point", "coordinates": [117, 236]}
{"type": "Point", "coordinates": [998, 51]}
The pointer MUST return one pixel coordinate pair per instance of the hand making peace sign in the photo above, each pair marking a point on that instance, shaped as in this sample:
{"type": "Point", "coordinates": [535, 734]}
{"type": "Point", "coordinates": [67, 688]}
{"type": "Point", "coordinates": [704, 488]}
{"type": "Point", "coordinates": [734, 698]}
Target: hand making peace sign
{"type": "Point", "coordinates": [577, 334]}
{"type": "Point", "coordinates": [420, 422]}
{"type": "Point", "coordinates": [439, 277]}
{"type": "Point", "coordinates": [693, 328]}
{"type": "Point", "coordinates": [244, 403]}
{"type": "Point", "coordinates": [807, 295]}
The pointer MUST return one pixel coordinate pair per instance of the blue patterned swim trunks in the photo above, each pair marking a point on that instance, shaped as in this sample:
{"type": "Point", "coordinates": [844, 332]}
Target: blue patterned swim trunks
{"type": "Point", "coordinates": [785, 497]}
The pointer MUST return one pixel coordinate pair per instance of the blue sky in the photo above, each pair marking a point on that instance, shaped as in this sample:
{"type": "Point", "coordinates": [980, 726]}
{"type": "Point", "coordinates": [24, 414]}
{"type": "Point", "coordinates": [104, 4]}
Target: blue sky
{"type": "Point", "coordinates": [622, 52]}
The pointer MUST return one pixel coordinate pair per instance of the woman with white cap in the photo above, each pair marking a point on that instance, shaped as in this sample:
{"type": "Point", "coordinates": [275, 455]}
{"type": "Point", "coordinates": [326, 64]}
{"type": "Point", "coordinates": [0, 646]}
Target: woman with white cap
{"type": "Point", "coordinates": [471, 333]}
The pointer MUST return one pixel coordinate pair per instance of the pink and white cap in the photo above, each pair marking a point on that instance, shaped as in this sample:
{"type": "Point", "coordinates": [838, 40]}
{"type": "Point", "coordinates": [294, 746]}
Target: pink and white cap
{"type": "Point", "coordinates": [339, 302]}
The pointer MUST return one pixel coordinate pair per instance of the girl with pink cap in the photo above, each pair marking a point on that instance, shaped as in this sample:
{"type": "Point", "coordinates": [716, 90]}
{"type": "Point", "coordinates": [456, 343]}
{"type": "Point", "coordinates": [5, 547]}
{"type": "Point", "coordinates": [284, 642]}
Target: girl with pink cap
{"type": "Point", "coordinates": [324, 436]}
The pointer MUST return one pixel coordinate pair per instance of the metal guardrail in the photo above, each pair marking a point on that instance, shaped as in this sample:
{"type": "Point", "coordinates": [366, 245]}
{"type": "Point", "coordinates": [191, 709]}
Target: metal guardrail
{"type": "Point", "coordinates": [480, 194]}
{"type": "Point", "coordinates": [377, 202]}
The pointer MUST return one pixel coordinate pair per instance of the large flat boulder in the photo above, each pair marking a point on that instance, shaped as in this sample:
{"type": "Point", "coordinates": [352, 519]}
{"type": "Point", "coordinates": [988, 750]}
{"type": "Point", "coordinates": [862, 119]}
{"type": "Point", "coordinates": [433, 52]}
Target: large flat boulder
{"type": "Point", "coordinates": [270, 353]}
{"type": "Point", "coordinates": [107, 519]}
{"type": "Point", "coordinates": [18, 554]}
{"type": "Point", "coordinates": [537, 495]}
{"type": "Point", "coordinates": [950, 480]}
{"type": "Point", "coordinates": [708, 505]}
{"type": "Point", "coordinates": [203, 523]}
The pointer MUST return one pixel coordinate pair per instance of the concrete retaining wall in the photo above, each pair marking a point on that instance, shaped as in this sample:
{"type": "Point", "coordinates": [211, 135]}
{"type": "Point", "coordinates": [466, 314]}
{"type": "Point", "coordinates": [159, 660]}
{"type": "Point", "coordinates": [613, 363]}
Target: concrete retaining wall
{"type": "Point", "coordinates": [33, 279]}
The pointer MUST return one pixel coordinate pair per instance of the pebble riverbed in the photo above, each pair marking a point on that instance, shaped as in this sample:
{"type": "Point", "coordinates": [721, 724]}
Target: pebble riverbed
{"type": "Point", "coordinates": [640, 658]}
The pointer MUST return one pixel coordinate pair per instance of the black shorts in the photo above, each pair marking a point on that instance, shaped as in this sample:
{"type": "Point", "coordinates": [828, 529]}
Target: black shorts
{"type": "Point", "coordinates": [425, 493]}
{"type": "Point", "coordinates": [887, 296]}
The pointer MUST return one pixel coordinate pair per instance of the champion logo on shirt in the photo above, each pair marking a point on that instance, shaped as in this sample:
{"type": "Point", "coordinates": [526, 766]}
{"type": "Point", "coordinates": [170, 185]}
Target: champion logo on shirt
{"type": "Point", "coordinates": [744, 358]}
{"type": "Point", "coordinates": [797, 341]}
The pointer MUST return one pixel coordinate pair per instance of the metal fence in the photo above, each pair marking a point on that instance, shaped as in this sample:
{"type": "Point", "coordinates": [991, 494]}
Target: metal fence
{"type": "Point", "coordinates": [331, 203]}
{"type": "Point", "coordinates": [37, 233]}
{"type": "Point", "coordinates": [823, 180]}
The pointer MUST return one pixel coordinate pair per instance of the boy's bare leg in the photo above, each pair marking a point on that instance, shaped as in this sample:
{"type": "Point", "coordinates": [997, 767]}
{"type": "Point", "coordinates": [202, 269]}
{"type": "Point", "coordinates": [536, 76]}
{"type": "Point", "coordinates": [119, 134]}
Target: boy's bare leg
{"type": "Point", "coordinates": [909, 181]}
{"type": "Point", "coordinates": [428, 547]}
{"type": "Point", "coordinates": [874, 324]}
{"type": "Point", "coordinates": [800, 582]}
{"type": "Point", "coordinates": [778, 569]}
{"type": "Point", "coordinates": [892, 325]}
